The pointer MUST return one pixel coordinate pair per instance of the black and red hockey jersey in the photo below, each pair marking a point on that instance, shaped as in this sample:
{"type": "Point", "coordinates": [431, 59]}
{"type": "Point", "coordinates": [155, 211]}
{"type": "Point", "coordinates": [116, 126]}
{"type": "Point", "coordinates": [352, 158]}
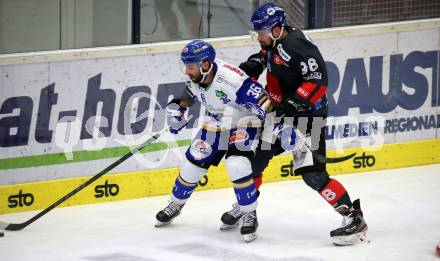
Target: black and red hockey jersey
{"type": "Point", "coordinates": [296, 70]}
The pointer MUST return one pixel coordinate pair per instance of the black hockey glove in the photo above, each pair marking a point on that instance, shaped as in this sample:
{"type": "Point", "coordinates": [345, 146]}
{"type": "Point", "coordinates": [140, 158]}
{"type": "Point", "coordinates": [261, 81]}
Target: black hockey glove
{"type": "Point", "coordinates": [254, 66]}
{"type": "Point", "coordinates": [289, 107]}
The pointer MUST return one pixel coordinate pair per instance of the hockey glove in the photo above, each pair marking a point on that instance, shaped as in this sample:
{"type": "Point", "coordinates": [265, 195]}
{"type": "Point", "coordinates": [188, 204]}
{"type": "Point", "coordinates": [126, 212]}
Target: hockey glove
{"type": "Point", "coordinates": [289, 107]}
{"type": "Point", "coordinates": [175, 119]}
{"type": "Point", "coordinates": [254, 66]}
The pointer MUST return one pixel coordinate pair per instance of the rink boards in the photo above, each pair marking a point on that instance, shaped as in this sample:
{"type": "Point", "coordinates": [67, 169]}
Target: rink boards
{"type": "Point", "coordinates": [65, 115]}
{"type": "Point", "coordinates": [122, 186]}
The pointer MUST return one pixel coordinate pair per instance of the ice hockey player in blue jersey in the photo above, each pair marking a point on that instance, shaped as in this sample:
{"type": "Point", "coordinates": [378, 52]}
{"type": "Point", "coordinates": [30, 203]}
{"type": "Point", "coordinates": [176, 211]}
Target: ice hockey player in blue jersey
{"type": "Point", "coordinates": [235, 108]}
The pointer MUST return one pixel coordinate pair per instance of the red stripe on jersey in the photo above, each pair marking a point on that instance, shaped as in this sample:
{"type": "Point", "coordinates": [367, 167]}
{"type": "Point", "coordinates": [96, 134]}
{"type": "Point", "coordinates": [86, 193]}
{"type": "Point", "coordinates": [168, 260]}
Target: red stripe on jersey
{"type": "Point", "coordinates": [319, 94]}
{"type": "Point", "coordinates": [234, 69]}
{"type": "Point", "coordinates": [306, 89]}
{"type": "Point", "coordinates": [333, 191]}
{"type": "Point", "coordinates": [274, 89]}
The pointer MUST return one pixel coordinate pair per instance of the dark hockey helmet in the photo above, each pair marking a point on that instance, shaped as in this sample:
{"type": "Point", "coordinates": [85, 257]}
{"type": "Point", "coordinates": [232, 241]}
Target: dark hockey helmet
{"type": "Point", "coordinates": [197, 51]}
{"type": "Point", "coordinates": [267, 16]}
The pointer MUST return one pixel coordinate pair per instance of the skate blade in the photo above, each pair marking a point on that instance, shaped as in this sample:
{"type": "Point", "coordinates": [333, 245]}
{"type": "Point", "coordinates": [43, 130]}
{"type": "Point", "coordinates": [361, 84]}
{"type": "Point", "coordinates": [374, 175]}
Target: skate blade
{"type": "Point", "coordinates": [161, 224]}
{"type": "Point", "coordinates": [249, 237]}
{"type": "Point", "coordinates": [358, 238]}
{"type": "Point", "coordinates": [224, 226]}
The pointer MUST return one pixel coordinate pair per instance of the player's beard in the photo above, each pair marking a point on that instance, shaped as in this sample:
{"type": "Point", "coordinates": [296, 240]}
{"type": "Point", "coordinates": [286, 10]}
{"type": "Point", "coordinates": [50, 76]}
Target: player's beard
{"type": "Point", "coordinates": [198, 80]}
{"type": "Point", "coordinates": [266, 47]}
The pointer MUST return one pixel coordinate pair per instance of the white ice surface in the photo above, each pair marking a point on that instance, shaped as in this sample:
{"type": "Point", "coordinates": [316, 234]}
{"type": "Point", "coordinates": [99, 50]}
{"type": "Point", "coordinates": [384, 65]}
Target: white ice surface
{"type": "Point", "coordinates": [401, 207]}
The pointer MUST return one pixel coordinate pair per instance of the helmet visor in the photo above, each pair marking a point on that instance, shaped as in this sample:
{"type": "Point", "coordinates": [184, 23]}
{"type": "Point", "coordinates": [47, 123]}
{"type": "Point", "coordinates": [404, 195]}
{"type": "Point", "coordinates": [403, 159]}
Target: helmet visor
{"type": "Point", "coordinates": [256, 34]}
{"type": "Point", "coordinates": [188, 67]}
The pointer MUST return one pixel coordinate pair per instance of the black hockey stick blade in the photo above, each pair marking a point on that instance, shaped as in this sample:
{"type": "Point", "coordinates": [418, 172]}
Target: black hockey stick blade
{"type": "Point", "coordinates": [321, 158]}
{"type": "Point", "coordinates": [334, 160]}
{"type": "Point", "coordinates": [20, 226]}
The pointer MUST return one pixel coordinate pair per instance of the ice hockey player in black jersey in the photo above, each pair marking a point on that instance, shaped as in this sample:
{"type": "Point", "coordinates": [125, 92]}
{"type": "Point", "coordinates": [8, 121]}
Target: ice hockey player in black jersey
{"type": "Point", "coordinates": [297, 84]}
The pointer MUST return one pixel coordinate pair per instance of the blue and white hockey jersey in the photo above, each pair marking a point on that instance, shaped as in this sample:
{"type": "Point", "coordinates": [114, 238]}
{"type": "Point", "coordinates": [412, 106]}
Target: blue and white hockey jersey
{"type": "Point", "coordinates": [232, 99]}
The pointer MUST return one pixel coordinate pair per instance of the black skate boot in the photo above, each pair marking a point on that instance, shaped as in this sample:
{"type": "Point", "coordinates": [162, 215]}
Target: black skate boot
{"type": "Point", "coordinates": [353, 230]}
{"type": "Point", "coordinates": [231, 219]}
{"type": "Point", "coordinates": [249, 227]}
{"type": "Point", "coordinates": [166, 215]}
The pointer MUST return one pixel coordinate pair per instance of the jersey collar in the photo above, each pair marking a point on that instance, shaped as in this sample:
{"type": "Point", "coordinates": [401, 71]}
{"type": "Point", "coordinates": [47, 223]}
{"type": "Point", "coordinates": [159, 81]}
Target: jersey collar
{"type": "Point", "coordinates": [205, 87]}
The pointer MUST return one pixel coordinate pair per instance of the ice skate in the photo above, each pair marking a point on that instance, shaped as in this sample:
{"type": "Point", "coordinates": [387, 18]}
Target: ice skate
{"type": "Point", "coordinates": [166, 215]}
{"type": "Point", "coordinates": [353, 230]}
{"type": "Point", "coordinates": [249, 226]}
{"type": "Point", "coordinates": [231, 219]}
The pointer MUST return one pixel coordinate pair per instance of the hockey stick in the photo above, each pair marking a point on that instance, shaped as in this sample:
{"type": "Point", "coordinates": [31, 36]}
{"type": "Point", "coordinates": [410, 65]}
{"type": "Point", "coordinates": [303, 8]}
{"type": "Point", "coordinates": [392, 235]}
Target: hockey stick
{"type": "Point", "coordinates": [20, 226]}
{"type": "Point", "coordinates": [319, 157]}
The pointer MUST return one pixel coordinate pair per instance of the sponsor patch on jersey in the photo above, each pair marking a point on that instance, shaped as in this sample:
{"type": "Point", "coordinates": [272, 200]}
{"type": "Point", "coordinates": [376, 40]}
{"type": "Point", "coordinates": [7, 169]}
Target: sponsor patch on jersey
{"type": "Point", "coordinates": [219, 93]}
{"type": "Point", "coordinates": [222, 79]}
{"type": "Point", "coordinates": [188, 84]}
{"type": "Point", "coordinates": [314, 75]}
{"type": "Point", "coordinates": [234, 69]}
{"type": "Point", "coordinates": [222, 96]}
{"type": "Point", "coordinates": [188, 88]}
{"type": "Point", "coordinates": [273, 88]}
{"type": "Point", "coordinates": [275, 98]}
{"type": "Point", "coordinates": [238, 136]}
{"type": "Point", "coordinates": [277, 59]}
{"type": "Point", "coordinates": [200, 149]}
{"type": "Point", "coordinates": [303, 93]}
{"type": "Point", "coordinates": [286, 57]}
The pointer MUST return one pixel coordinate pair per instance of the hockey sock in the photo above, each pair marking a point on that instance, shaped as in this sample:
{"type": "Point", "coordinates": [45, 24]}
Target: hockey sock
{"type": "Point", "coordinates": [182, 190]}
{"type": "Point", "coordinates": [246, 194]}
{"type": "Point", "coordinates": [258, 181]}
{"type": "Point", "coordinates": [336, 195]}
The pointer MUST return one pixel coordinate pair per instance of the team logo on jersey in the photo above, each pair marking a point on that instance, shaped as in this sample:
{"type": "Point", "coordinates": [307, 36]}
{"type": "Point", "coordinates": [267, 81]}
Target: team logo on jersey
{"type": "Point", "coordinates": [222, 96]}
{"type": "Point", "coordinates": [200, 149]}
{"type": "Point", "coordinates": [286, 57]}
{"type": "Point", "coordinates": [238, 136]}
{"type": "Point", "coordinates": [185, 50]}
{"type": "Point", "coordinates": [277, 59]}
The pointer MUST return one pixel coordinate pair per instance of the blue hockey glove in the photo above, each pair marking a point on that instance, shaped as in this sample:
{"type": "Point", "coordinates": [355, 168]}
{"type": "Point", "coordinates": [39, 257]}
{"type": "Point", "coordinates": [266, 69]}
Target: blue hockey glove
{"type": "Point", "coordinates": [175, 117]}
